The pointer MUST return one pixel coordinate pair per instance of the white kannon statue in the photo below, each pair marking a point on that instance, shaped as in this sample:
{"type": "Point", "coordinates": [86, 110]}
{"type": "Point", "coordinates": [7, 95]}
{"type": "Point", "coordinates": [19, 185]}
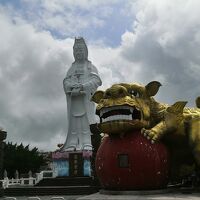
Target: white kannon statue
{"type": "Point", "coordinates": [80, 83]}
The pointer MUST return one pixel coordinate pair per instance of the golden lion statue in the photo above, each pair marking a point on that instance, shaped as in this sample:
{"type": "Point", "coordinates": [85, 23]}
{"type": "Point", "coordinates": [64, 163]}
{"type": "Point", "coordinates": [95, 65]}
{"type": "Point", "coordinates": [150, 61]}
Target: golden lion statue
{"type": "Point", "coordinates": [124, 107]}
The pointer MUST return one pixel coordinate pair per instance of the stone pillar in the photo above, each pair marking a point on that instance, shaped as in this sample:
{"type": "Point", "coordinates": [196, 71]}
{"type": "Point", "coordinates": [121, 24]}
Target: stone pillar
{"type": "Point", "coordinates": [3, 135]}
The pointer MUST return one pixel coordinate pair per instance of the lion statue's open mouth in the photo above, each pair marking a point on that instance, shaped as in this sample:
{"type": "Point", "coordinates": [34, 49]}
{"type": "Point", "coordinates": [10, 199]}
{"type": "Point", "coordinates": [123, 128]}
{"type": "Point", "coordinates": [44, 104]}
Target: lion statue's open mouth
{"type": "Point", "coordinates": [120, 118]}
{"type": "Point", "coordinates": [117, 113]}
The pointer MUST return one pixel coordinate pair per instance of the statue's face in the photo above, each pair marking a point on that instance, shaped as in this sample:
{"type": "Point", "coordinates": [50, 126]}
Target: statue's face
{"type": "Point", "coordinates": [79, 53]}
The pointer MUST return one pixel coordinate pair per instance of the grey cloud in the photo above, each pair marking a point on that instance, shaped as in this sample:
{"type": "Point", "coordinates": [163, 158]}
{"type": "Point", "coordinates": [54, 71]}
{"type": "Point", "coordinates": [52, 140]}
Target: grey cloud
{"type": "Point", "coordinates": [32, 67]}
{"type": "Point", "coordinates": [167, 50]}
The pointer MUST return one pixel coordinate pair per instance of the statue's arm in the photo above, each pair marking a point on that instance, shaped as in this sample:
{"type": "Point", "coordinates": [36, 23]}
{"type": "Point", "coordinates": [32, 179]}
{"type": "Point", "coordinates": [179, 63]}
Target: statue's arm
{"type": "Point", "coordinates": [93, 82]}
{"type": "Point", "coordinates": [67, 84]}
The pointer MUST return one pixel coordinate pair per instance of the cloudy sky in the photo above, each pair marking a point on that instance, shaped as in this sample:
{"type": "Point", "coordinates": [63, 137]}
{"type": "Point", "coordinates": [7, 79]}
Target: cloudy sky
{"type": "Point", "coordinates": [128, 41]}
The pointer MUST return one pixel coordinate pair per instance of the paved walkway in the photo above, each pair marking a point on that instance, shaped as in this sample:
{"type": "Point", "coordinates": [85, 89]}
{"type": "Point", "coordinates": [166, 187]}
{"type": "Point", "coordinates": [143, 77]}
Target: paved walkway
{"type": "Point", "coordinates": [73, 197]}
{"type": "Point", "coordinates": [97, 196]}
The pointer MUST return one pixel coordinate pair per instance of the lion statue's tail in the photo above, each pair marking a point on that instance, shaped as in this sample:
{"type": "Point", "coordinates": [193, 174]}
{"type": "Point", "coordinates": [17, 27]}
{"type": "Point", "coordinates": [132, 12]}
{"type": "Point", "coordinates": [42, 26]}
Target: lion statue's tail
{"type": "Point", "coordinates": [198, 102]}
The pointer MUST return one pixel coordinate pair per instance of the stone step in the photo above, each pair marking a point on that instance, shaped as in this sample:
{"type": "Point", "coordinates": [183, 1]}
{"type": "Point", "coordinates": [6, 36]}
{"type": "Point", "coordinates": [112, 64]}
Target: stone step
{"type": "Point", "coordinates": [50, 190]}
{"type": "Point", "coordinates": [67, 181]}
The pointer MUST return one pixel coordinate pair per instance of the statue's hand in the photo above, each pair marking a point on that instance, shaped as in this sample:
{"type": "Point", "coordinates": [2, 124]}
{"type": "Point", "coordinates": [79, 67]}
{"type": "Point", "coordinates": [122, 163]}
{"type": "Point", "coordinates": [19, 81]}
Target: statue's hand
{"type": "Point", "coordinates": [75, 92]}
{"type": "Point", "coordinates": [77, 86]}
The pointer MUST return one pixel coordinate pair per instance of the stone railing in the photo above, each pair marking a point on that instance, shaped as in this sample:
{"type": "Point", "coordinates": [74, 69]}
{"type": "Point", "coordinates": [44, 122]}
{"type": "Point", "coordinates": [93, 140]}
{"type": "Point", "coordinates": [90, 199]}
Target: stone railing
{"type": "Point", "coordinates": [6, 182]}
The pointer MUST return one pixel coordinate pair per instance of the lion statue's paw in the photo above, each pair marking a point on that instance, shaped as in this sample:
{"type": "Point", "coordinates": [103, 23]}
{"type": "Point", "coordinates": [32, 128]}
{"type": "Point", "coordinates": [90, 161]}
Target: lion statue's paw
{"type": "Point", "coordinates": [150, 134]}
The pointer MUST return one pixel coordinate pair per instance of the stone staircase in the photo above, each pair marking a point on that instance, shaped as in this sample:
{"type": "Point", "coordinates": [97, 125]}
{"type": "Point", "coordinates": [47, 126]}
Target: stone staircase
{"type": "Point", "coordinates": [66, 181]}
{"type": "Point", "coordinates": [56, 186]}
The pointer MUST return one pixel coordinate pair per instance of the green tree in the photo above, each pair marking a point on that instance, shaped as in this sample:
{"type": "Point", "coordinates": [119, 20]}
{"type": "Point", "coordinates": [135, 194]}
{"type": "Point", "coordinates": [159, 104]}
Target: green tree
{"type": "Point", "coordinates": [21, 158]}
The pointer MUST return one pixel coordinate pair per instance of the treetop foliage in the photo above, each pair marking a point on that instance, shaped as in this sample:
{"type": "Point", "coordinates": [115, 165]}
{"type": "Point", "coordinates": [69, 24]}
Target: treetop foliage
{"type": "Point", "coordinates": [21, 158]}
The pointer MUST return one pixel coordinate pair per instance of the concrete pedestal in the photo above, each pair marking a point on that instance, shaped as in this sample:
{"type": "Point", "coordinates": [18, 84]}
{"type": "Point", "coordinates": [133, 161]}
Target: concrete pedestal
{"type": "Point", "coordinates": [72, 164]}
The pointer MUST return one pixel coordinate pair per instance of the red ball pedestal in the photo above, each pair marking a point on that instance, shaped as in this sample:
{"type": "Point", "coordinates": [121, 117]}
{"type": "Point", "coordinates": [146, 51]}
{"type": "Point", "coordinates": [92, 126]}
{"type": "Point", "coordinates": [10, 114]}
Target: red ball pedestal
{"type": "Point", "coordinates": [132, 163]}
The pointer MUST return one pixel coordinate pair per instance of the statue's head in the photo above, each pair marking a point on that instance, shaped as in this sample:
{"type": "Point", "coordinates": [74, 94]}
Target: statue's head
{"type": "Point", "coordinates": [80, 50]}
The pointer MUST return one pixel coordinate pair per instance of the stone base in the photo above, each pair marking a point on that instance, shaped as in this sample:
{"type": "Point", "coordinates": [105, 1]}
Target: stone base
{"type": "Point", "coordinates": [72, 164]}
{"type": "Point", "coordinates": [61, 167]}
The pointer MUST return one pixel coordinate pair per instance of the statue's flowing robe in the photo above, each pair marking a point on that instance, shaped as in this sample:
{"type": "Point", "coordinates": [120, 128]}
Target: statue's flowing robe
{"type": "Point", "coordinates": [80, 110]}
